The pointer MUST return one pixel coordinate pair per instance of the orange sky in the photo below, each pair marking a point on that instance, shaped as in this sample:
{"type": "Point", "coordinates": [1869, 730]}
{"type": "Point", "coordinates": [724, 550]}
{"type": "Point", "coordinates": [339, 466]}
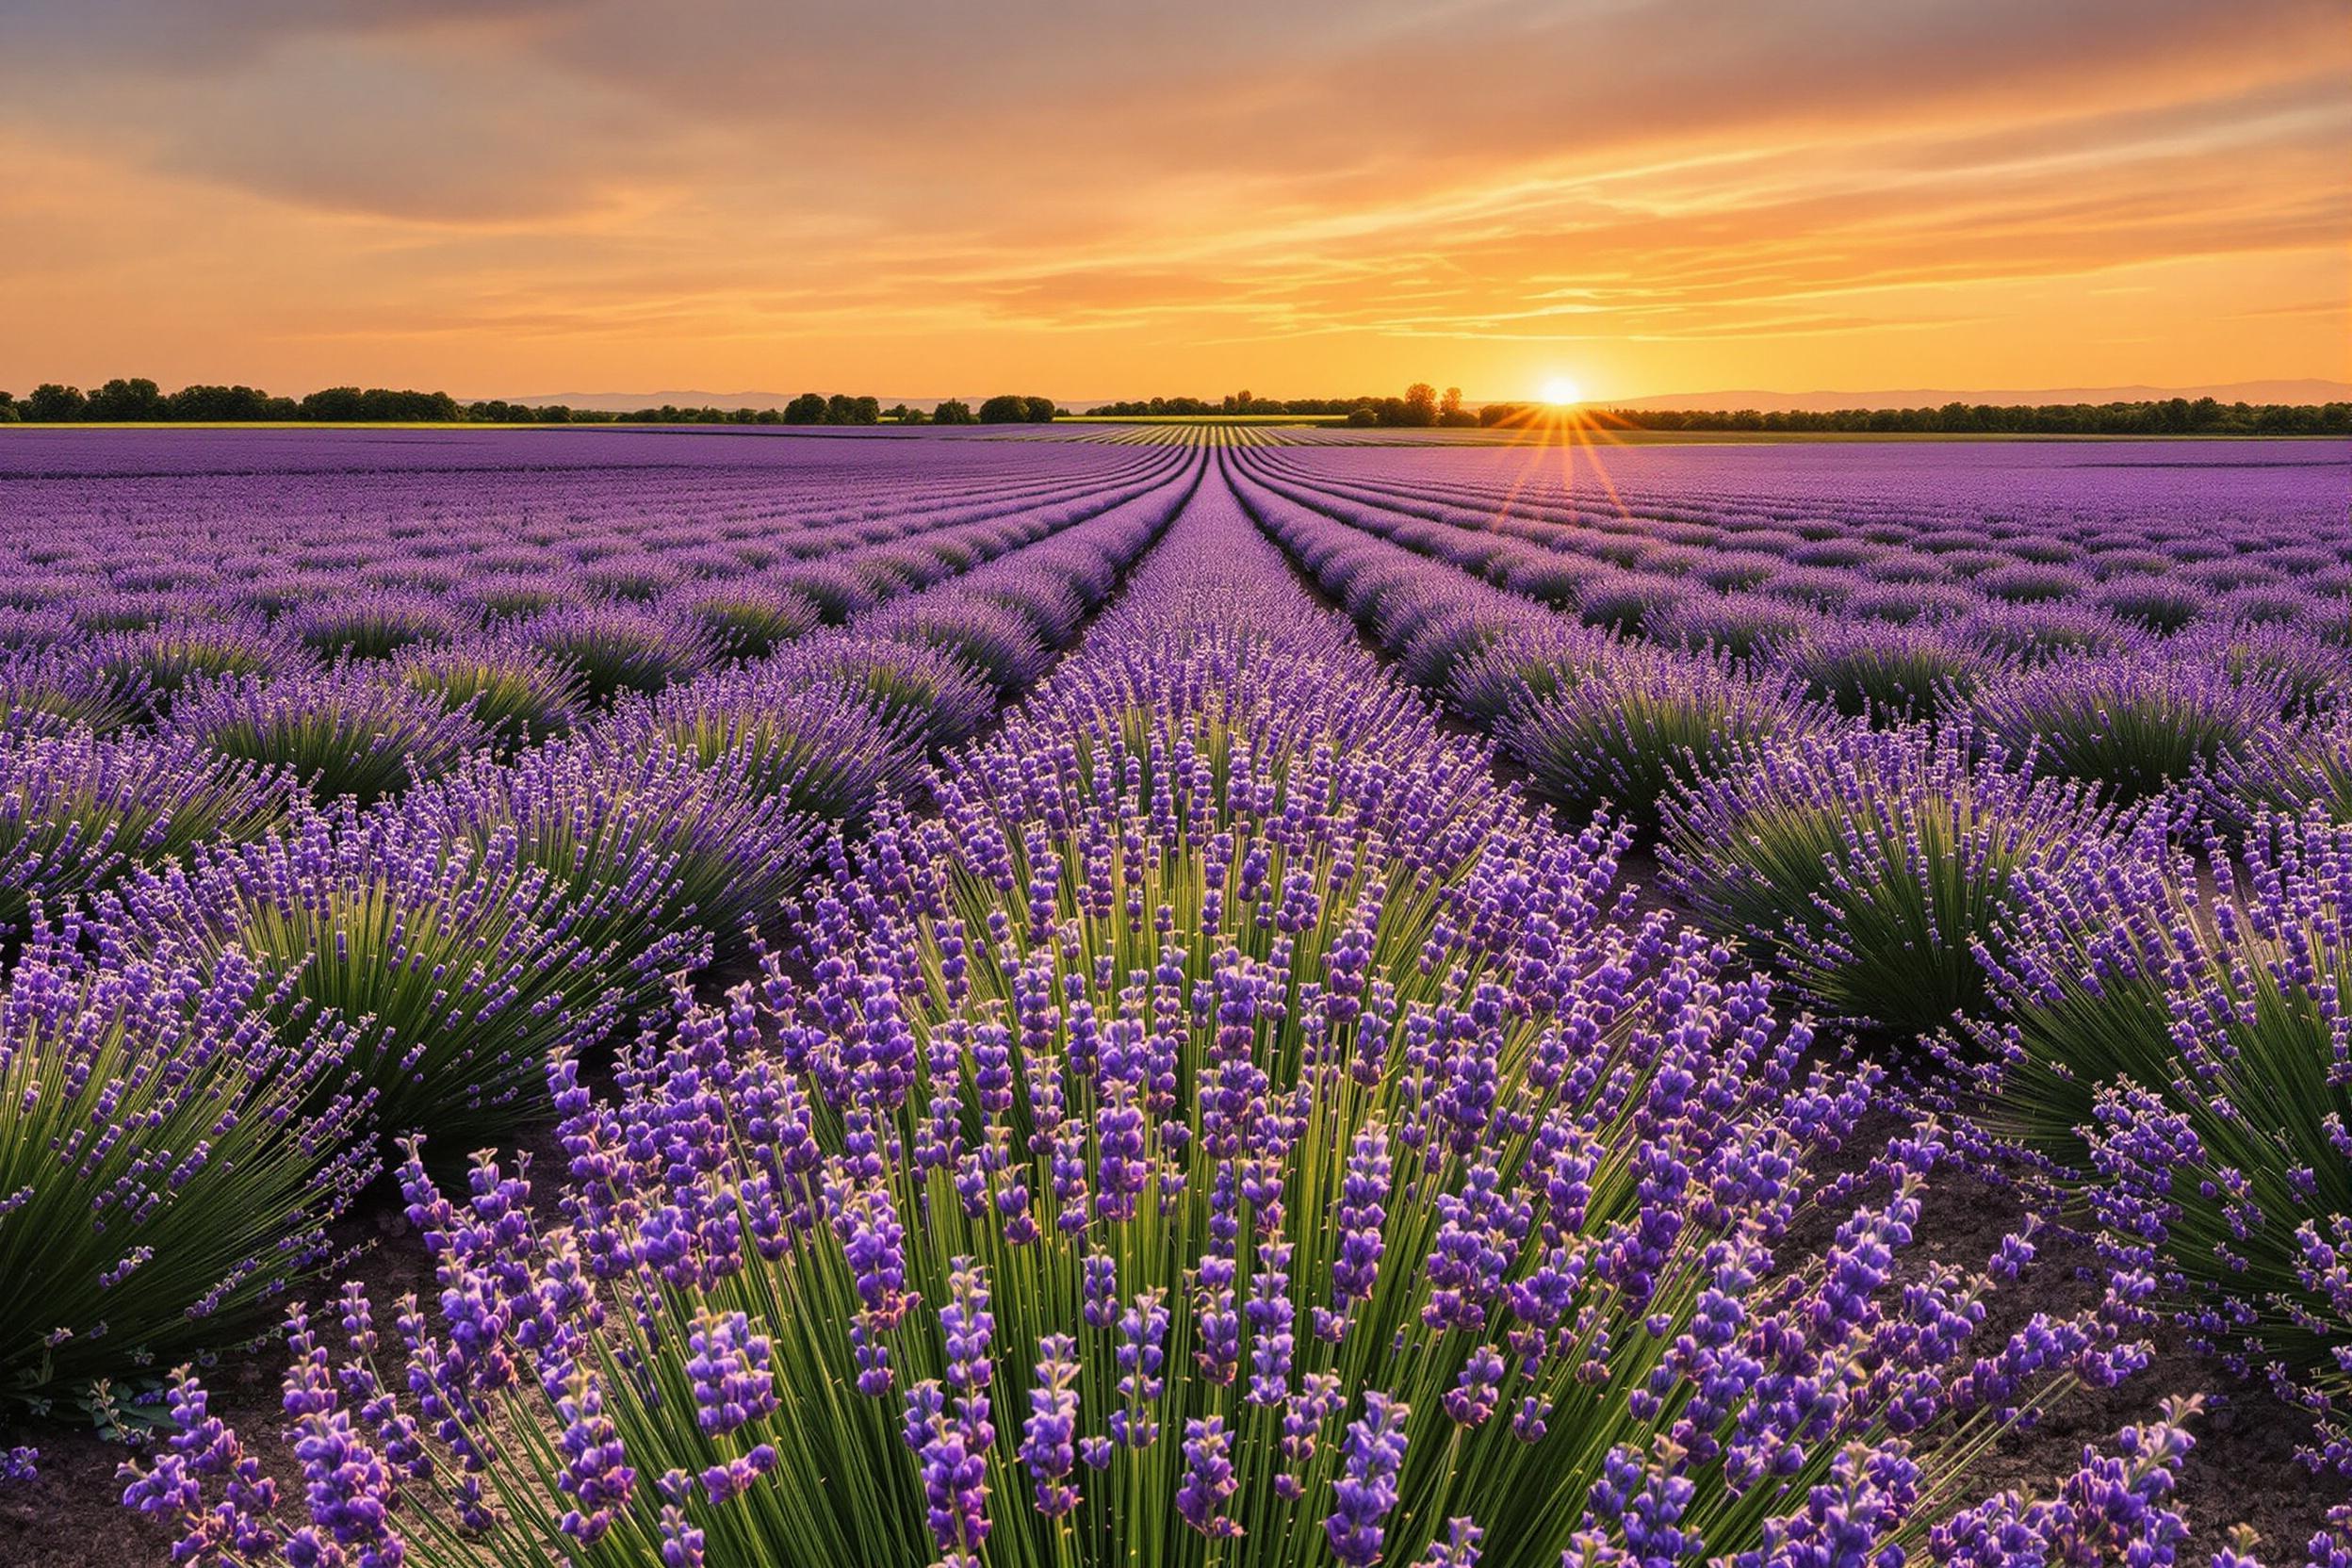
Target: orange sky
{"type": "Point", "coordinates": [1107, 199]}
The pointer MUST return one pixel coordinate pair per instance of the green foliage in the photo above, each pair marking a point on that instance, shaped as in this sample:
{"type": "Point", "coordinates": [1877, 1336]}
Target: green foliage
{"type": "Point", "coordinates": [520, 695]}
{"type": "Point", "coordinates": [1008, 409]}
{"type": "Point", "coordinates": [50, 404]}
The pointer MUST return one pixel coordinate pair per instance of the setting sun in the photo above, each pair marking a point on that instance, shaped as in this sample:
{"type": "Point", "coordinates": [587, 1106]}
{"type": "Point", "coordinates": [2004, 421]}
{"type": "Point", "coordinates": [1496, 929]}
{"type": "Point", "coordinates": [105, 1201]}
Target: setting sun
{"type": "Point", "coordinates": [1559, 391]}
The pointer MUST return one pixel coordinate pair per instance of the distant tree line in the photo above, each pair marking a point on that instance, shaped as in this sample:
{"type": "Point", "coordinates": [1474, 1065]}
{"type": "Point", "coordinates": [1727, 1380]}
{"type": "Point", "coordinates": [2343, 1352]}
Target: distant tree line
{"type": "Point", "coordinates": [2166, 416]}
{"type": "Point", "coordinates": [137, 400]}
{"type": "Point", "coordinates": [1422, 405]}
{"type": "Point", "coordinates": [810, 408]}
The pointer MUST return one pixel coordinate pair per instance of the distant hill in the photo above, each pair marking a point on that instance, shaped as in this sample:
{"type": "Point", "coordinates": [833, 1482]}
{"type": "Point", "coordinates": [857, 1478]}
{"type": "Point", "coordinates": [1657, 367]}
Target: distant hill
{"type": "Point", "coordinates": [2309, 390]}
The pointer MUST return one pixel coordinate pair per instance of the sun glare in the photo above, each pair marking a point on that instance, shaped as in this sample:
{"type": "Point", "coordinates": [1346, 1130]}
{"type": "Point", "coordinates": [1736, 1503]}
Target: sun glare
{"type": "Point", "coordinates": [1560, 392]}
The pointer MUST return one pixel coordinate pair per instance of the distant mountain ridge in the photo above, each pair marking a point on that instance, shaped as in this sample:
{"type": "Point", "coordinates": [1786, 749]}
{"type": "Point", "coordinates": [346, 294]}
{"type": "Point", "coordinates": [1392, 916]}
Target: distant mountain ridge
{"type": "Point", "coordinates": [2310, 389]}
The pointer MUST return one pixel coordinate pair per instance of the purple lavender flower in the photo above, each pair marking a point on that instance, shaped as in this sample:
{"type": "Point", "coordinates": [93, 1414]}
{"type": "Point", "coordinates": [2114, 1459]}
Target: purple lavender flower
{"type": "Point", "coordinates": [1209, 1483]}
{"type": "Point", "coordinates": [1366, 1490]}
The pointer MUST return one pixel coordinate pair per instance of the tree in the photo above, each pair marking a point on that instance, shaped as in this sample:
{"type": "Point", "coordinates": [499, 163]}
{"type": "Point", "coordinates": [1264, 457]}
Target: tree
{"type": "Point", "coordinates": [331, 402]}
{"type": "Point", "coordinates": [199, 402]}
{"type": "Point", "coordinates": [1041, 410]}
{"type": "Point", "coordinates": [1450, 404]}
{"type": "Point", "coordinates": [10, 414]}
{"type": "Point", "coordinates": [1004, 409]}
{"type": "Point", "coordinates": [52, 403]}
{"type": "Point", "coordinates": [1420, 405]}
{"type": "Point", "coordinates": [807, 409]}
{"type": "Point", "coordinates": [1364, 419]}
{"type": "Point", "coordinates": [135, 398]}
{"type": "Point", "coordinates": [953, 412]}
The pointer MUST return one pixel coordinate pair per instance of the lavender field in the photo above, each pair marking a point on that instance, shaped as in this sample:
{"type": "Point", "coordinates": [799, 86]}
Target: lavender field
{"type": "Point", "coordinates": [1172, 995]}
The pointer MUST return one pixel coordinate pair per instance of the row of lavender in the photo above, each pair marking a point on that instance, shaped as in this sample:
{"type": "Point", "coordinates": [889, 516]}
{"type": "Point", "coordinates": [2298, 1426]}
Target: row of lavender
{"type": "Point", "coordinates": [122, 609]}
{"type": "Point", "coordinates": [2254, 709]}
{"type": "Point", "coordinates": [241, 957]}
{"type": "Point", "coordinates": [2114, 893]}
{"type": "Point", "coordinates": [180, 728]}
{"type": "Point", "coordinates": [1885, 602]}
{"type": "Point", "coordinates": [1230, 1130]}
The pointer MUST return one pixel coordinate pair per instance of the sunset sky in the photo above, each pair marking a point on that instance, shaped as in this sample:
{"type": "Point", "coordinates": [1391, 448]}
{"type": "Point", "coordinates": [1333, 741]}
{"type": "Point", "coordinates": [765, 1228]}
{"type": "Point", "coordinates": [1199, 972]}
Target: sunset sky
{"type": "Point", "coordinates": [1105, 199]}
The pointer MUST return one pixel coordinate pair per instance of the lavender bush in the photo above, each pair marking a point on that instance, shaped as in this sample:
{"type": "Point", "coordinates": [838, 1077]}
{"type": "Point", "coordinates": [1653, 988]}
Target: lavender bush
{"type": "Point", "coordinates": [76, 813]}
{"type": "Point", "coordinates": [455, 968]}
{"type": "Point", "coordinates": [1644, 721]}
{"type": "Point", "coordinates": [2134, 727]}
{"type": "Point", "coordinates": [2201, 1042]}
{"type": "Point", "coordinates": [1871, 864]}
{"type": "Point", "coordinates": [172, 1161]}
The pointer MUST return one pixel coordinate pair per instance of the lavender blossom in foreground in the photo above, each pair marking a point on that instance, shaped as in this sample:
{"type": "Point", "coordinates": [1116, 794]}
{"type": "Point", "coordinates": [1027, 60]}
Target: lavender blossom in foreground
{"type": "Point", "coordinates": [2201, 1045]}
{"type": "Point", "coordinates": [172, 1160]}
